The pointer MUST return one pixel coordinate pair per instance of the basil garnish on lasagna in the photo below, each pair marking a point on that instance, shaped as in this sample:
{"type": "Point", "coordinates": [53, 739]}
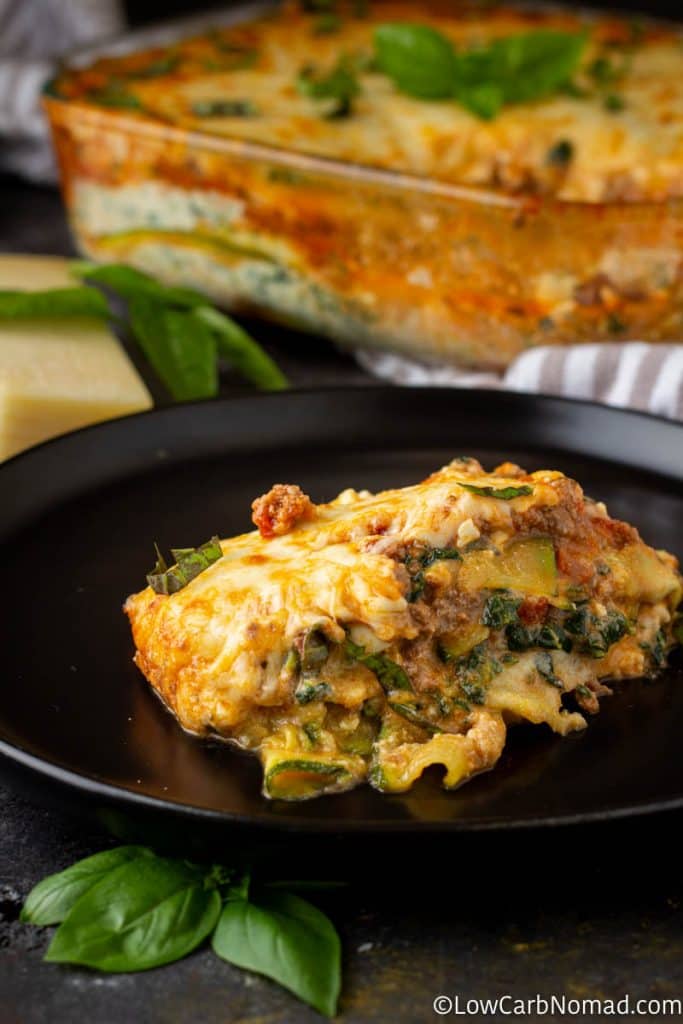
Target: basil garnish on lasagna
{"type": "Point", "coordinates": [371, 637]}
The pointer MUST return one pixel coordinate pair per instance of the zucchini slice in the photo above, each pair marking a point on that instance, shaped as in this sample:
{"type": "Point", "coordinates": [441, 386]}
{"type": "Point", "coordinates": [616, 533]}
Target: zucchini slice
{"type": "Point", "coordinates": [526, 566]}
{"type": "Point", "coordinates": [298, 778]}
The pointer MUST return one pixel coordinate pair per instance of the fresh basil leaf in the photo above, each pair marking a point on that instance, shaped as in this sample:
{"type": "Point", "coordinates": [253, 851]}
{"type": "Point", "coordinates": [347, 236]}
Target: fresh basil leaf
{"type": "Point", "coordinates": [193, 352]}
{"type": "Point", "coordinates": [240, 349]}
{"type": "Point", "coordinates": [55, 302]}
{"type": "Point", "coordinates": [340, 85]}
{"type": "Point", "coordinates": [484, 100]}
{"type": "Point", "coordinates": [419, 60]}
{"type": "Point", "coordinates": [505, 493]}
{"type": "Point", "coordinates": [160, 566]}
{"type": "Point", "coordinates": [287, 939]}
{"type": "Point", "coordinates": [130, 283]}
{"type": "Point", "coordinates": [514, 69]}
{"type": "Point", "coordinates": [143, 914]}
{"type": "Point", "coordinates": [189, 563]}
{"type": "Point", "coordinates": [477, 84]}
{"type": "Point", "coordinates": [532, 65]}
{"type": "Point", "coordinates": [52, 898]}
{"type": "Point", "coordinates": [180, 348]}
{"type": "Point", "coordinates": [192, 561]}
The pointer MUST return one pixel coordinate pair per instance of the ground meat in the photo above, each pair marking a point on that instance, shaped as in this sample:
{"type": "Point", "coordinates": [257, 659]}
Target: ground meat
{"type": "Point", "coordinates": [576, 560]}
{"type": "Point", "coordinates": [280, 509]}
{"type": "Point", "coordinates": [418, 658]}
{"type": "Point", "coordinates": [615, 532]}
{"type": "Point", "coordinates": [446, 611]}
{"type": "Point", "coordinates": [566, 519]}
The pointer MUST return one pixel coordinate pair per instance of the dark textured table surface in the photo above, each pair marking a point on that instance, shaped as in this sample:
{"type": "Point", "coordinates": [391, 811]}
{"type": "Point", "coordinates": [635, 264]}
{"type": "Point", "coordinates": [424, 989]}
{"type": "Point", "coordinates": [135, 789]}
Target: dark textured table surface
{"type": "Point", "coordinates": [580, 913]}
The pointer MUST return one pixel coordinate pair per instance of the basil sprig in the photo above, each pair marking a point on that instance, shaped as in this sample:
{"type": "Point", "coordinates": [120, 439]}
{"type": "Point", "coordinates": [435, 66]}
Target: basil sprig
{"type": "Point", "coordinates": [180, 334]}
{"type": "Point", "coordinates": [128, 909]}
{"type": "Point", "coordinates": [189, 563]}
{"type": "Point", "coordinates": [514, 69]}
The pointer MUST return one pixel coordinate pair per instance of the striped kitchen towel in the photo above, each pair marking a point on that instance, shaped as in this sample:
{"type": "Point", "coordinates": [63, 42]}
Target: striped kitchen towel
{"type": "Point", "coordinates": [631, 375]}
{"type": "Point", "coordinates": [34, 34]}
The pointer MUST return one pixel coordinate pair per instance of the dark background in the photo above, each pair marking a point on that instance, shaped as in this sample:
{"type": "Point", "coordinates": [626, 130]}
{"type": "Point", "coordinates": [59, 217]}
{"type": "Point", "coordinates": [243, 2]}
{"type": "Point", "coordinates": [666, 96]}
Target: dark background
{"type": "Point", "coordinates": [592, 912]}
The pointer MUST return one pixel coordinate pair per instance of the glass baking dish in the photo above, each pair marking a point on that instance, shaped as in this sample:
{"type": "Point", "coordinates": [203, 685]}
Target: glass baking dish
{"type": "Point", "coordinates": [366, 256]}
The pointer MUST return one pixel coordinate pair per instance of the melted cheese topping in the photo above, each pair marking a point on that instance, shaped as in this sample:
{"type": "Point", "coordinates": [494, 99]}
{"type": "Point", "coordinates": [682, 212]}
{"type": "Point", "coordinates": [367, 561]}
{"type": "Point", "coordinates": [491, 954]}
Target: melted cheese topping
{"type": "Point", "coordinates": [634, 152]}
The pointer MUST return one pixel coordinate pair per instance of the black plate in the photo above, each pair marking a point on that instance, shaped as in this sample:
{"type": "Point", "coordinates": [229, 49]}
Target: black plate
{"type": "Point", "coordinates": [77, 522]}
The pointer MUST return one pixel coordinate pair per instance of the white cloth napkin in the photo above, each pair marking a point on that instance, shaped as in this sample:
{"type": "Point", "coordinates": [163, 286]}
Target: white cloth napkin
{"type": "Point", "coordinates": [631, 375]}
{"type": "Point", "coordinates": [34, 34]}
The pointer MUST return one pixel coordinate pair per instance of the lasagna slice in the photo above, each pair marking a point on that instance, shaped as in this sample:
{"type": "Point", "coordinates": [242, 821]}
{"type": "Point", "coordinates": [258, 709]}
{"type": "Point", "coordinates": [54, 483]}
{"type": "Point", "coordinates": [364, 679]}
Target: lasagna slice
{"type": "Point", "coordinates": [379, 634]}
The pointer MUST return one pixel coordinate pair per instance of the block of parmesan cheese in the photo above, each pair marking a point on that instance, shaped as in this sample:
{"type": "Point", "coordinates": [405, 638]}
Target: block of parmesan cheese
{"type": "Point", "coordinates": [58, 375]}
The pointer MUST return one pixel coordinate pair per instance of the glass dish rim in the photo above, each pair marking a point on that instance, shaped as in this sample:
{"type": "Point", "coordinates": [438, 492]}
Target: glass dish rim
{"type": "Point", "coordinates": [405, 182]}
{"type": "Point", "coordinates": [350, 171]}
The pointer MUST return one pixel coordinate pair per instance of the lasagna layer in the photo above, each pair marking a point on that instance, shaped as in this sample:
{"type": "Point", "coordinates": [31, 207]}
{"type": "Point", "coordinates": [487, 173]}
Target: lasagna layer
{"type": "Point", "coordinates": [376, 635]}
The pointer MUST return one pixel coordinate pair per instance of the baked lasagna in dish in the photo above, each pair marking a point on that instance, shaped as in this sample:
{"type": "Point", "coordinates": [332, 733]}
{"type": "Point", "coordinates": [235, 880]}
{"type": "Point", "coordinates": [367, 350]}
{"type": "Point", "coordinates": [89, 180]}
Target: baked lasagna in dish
{"type": "Point", "coordinates": [315, 168]}
{"type": "Point", "coordinates": [379, 634]}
